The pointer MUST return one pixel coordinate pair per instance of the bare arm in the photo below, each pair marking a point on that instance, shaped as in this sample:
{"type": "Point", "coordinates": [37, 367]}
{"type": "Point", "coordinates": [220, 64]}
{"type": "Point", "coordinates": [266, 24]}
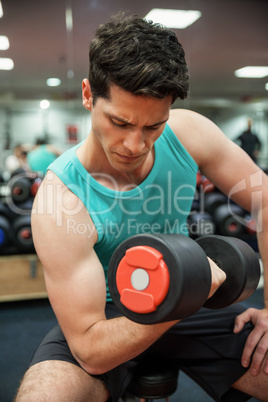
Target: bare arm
{"type": "Point", "coordinates": [233, 171]}
{"type": "Point", "coordinates": [229, 168]}
{"type": "Point", "coordinates": [76, 284]}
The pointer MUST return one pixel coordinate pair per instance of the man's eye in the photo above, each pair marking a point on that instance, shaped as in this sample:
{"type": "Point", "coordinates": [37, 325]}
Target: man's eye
{"type": "Point", "coordinates": [154, 127]}
{"type": "Point", "coordinates": [119, 124]}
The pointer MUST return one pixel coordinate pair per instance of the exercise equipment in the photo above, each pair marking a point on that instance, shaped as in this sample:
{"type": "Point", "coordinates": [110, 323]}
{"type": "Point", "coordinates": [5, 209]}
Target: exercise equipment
{"type": "Point", "coordinates": [4, 233]}
{"type": "Point", "coordinates": [229, 220]}
{"type": "Point", "coordinates": [250, 224]}
{"type": "Point", "coordinates": [5, 227]}
{"type": "Point", "coordinates": [214, 200]}
{"type": "Point", "coordinates": [166, 277]}
{"type": "Point", "coordinates": [206, 185]}
{"type": "Point", "coordinates": [154, 379]}
{"type": "Point", "coordinates": [5, 211]}
{"type": "Point", "coordinates": [24, 185]}
{"type": "Point", "coordinates": [241, 265]}
{"type": "Point", "coordinates": [157, 278]}
{"type": "Point", "coordinates": [22, 234]}
{"type": "Point", "coordinates": [36, 183]}
{"type": "Point", "coordinates": [20, 189]}
{"type": "Point", "coordinates": [198, 179]}
{"type": "Point", "coordinates": [201, 224]}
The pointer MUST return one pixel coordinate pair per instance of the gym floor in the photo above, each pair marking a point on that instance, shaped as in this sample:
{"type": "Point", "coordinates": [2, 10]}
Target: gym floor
{"type": "Point", "coordinates": [23, 325]}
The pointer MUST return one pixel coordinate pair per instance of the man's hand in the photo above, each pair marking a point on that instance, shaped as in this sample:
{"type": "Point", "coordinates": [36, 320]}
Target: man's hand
{"type": "Point", "coordinates": [218, 276]}
{"type": "Point", "coordinates": [256, 347]}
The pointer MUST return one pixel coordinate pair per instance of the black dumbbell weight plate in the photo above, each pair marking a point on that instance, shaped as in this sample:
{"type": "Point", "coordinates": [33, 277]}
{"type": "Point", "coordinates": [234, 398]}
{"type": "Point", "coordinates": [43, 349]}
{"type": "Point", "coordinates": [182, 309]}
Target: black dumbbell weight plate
{"type": "Point", "coordinates": [201, 224]}
{"type": "Point", "coordinates": [20, 189]}
{"type": "Point", "coordinates": [214, 200]}
{"type": "Point", "coordinates": [241, 265]}
{"type": "Point", "coordinates": [23, 234]}
{"type": "Point", "coordinates": [229, 220]}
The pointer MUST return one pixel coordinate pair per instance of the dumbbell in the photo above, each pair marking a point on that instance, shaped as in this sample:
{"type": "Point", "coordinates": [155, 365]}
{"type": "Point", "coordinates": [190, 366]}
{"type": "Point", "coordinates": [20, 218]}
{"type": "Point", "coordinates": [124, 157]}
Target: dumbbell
{"type": "Point", "coordinates": [5, 227]}
{"type": "Point", "coordinates": [229, 220]}
{"type": "Point", "coordinates": [250, 224]}
{"type": "Point", "coordinates": [24, 186]}
{"type": "Point", "coordinates": [200, 224]}
{"type": "Point", "coordinates": [203, 183]}
{"type": "Point", "coordinates": [22, 234]}
{"type": "Point", "coordinates": [241, 265]}
{"type": "Point", "coordinates": [167, 277]}
{"type": "Point", "coordinates": [206, 185]}
{"type": "Point", "coordinates": [214, 200]}
{"type": "Point", "coordinates": [4, 233]}
{"type": "Point", "coordinates": [20, 189]}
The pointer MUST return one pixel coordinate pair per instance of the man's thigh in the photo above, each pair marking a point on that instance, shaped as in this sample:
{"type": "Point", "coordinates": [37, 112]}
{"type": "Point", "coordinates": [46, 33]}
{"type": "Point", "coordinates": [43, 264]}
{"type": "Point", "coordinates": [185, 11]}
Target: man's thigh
{"type": "Point", "coordinates": [54, 348]}
{"type": "Point", "coordinates": [60, 381]}
{"type": "Point", "coordinates": [203, 345]}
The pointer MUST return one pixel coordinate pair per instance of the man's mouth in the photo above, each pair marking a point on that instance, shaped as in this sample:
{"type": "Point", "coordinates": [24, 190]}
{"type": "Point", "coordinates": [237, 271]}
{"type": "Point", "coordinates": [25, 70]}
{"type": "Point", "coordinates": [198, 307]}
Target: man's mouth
{"type": "Point", "coordinates": [129, 158]}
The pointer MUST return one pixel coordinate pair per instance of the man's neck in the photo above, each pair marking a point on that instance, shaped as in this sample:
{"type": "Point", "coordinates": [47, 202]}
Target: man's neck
{"type": "Point", "coordinates": [94, 160]}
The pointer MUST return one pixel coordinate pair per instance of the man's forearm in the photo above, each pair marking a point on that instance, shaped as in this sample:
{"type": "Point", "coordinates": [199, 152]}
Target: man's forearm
{"type": "Point", "coordinates": [109, 343]}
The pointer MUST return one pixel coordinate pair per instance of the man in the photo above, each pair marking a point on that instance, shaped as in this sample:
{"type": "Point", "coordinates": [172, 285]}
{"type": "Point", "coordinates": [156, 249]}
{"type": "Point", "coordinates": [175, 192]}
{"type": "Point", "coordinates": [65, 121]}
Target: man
{"type": "Point", "coordinates": [250, 142]}
{"type": "Point", "coordinates": [136, 172]}
{"type": "Point", "coordinates": [42, 155]}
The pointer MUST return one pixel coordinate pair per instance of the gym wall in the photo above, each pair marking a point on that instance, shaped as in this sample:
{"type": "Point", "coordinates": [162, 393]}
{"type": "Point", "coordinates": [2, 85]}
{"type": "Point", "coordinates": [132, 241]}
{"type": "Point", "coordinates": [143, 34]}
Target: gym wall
{"type": "Point", "coordinates": [26, 122]}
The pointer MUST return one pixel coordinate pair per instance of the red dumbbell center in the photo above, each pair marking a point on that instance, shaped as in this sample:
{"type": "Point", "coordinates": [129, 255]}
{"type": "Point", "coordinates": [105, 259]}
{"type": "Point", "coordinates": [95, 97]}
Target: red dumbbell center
{"type": "Point", "coordinates": [142, 279]}
{"type": "Point", "coordinates": [17, 190]}
{"type": "Point", "coordinates": [25, 235]}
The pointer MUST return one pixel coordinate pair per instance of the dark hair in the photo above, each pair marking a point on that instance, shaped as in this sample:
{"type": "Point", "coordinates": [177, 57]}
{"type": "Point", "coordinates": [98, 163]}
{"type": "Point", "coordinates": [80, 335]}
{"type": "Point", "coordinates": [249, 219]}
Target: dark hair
{"type": "Point", "coordinates": [139, 56]}
{"type": "Point", "coordinates": [40, 141]}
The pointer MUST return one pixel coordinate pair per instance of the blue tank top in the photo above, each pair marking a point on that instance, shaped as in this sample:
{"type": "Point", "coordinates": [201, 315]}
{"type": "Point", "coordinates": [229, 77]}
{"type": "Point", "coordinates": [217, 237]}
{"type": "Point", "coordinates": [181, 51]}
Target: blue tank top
{"type": "Point", "coordinates": [160, 204]}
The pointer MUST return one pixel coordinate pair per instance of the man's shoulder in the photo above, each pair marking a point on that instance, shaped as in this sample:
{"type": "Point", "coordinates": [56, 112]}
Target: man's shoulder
{"type": "Point", "coordinates": [185, 121]}
{"type": "Point", "coordinates": [184, 115]}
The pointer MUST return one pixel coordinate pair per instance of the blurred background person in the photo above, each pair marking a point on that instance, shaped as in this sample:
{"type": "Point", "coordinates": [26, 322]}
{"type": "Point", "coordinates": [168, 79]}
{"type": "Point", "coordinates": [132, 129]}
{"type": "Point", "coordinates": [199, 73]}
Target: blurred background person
{"type": "Point", "coordinates": [41, 156]}
{"type": "Point", "coordinates": [17, 160]}
{"type": "Point", "coordinates": [249, 142]}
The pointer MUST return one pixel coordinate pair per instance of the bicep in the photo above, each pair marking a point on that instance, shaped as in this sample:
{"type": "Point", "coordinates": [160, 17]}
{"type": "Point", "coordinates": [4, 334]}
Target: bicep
{"type": "Point", "coordinates": [77, 294]}
{"type": "Point", "coordinates": [74, 276]}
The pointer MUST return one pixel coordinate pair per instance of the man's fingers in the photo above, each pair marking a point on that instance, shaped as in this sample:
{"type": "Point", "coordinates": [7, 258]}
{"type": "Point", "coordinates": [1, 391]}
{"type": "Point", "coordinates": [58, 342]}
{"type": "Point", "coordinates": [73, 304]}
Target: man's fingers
{"type": "Point", "coordinates": [256, 347]}
{"type": "Point", "coordinates": [259, 357]}
{"type": "Point", "coordinates": [252, 344]}
{"type": "Point", "coordinates": [241, 320]}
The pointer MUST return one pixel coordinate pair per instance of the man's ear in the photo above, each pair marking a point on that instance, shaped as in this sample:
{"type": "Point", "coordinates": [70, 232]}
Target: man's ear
{"type": "Point", "coordinates": [87, 95]}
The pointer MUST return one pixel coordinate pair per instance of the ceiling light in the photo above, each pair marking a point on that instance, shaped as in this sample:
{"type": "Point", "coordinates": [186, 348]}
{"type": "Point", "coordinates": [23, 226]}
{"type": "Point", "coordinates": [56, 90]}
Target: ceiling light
{"type": "Point", "coordinates": [266, 86]}
{"type": "Point", "coordinates": [70, 74]}
{"type": "Point", "coordinates": [6, 64]}
{"type": "Point", "coordinates": [53, 82]}
{"type": "Point", "coordinates": [252, 72]}
{"type": "Point", "coordinates": [69, 19]}
{"type": "Point", "coordinates": [44, 104]}
{"type": "Point", "coordinates": [173, 18]}
{"type": "Point", "coordinates": [1, 10]}
{"type": "Point", "coordinates": [4, 42]}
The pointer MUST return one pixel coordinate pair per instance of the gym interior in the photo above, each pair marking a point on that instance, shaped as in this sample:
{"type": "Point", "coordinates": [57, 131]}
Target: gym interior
{"type": "Point", "coordinates": [45, 46]}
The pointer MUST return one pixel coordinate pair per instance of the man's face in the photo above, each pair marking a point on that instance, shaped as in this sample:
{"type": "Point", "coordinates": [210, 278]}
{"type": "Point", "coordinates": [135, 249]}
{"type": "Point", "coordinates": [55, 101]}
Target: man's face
{"type": "Point", "coordinates": [125, 127]}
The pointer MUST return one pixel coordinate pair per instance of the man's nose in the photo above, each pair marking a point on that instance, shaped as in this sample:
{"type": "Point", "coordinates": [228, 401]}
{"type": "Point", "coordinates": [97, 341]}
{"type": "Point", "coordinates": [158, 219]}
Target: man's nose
{"type": "Point", "coordinates": [134, 142]}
